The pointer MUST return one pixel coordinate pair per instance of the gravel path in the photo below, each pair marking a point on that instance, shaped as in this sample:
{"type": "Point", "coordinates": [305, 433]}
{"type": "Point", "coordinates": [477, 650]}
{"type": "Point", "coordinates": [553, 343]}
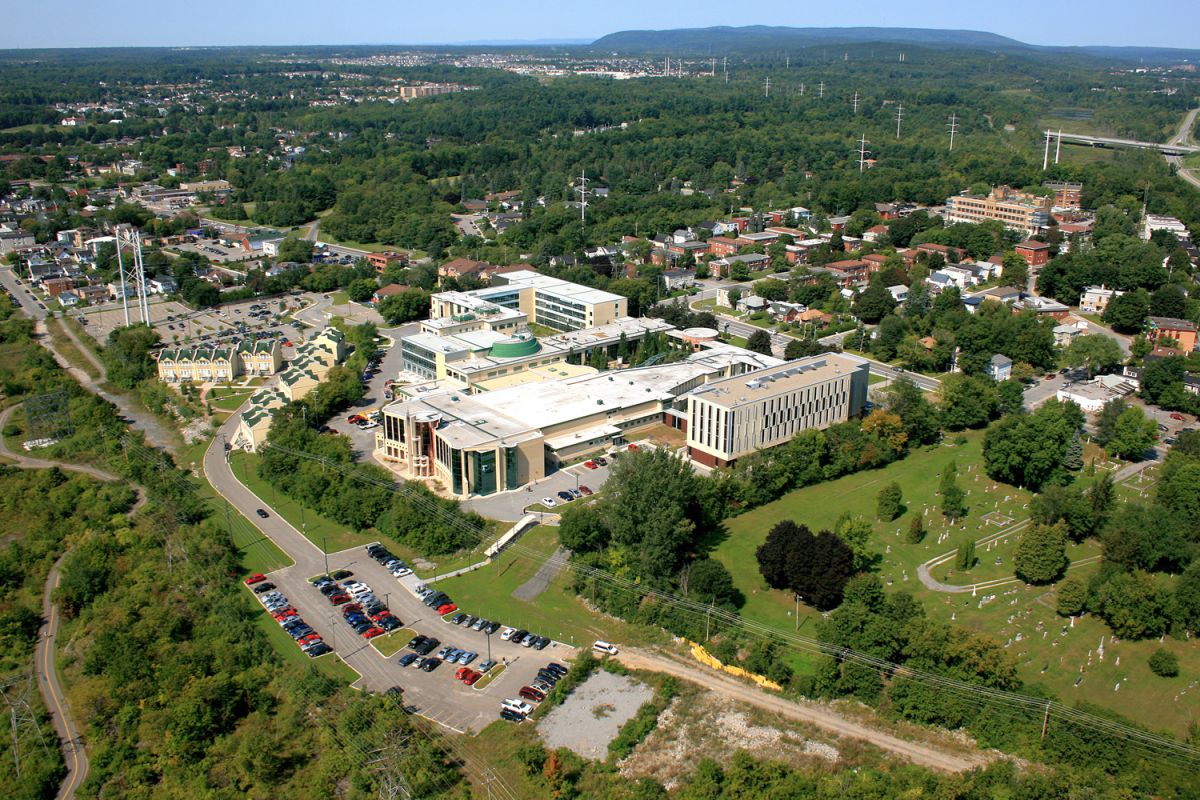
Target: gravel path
{"type": "Point", "coordinates": [547, 572]}
{"type": "Point", "coordinates": [593, 714]}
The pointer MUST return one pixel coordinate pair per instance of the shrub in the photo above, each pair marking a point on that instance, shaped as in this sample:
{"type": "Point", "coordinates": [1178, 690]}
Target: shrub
{"type": "Point", "coordinates": [1164, 663]}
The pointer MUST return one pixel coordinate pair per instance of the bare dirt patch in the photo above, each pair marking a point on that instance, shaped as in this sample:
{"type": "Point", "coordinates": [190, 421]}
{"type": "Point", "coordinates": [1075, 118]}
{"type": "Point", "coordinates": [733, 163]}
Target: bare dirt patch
{"type": "Point", "coordinates": [594, 713]}
{"type": "Point", "coordinates": [699, 724]}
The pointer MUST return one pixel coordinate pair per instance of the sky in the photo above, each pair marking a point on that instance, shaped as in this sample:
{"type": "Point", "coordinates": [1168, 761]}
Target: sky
{"type": "Point", "coordinates": [89, 23]}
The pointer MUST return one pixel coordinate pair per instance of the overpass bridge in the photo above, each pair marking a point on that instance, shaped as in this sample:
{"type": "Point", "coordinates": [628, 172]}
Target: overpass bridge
{"type": "Point", "coordinates": [1173, 148]}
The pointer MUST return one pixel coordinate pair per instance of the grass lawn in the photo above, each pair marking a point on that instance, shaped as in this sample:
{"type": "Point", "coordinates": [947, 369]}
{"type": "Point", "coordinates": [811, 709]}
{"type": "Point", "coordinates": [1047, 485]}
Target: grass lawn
{"type": "Point", "coordinates": [873, 378]}
{"type": "Point", "coordinates": [542, 330]}
{"type": "Point", "coordinates": [390, 644]}
{"type": "Point", "coordinates": [736, 341]}
{"type": "Point", "coordinates": [320, 530]}
{"type": "Point", "coordinates": [330, 665]}
{"type": "Point", "coordinates": [1046, 648]}
{"type": "Point", "coordinates": [67, 347]}
{"type": "Point", "coordinates": [492, 674]}
{"type": "Point", "coordinates": [556, 612]}
{"type": "Point", "coordinates": [228, 399]}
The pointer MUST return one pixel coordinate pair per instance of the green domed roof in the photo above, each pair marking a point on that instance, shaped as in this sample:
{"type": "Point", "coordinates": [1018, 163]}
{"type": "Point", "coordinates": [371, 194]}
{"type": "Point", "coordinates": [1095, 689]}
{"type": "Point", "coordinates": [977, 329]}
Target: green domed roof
{"type": "Point", "coordinates": [515, 347]}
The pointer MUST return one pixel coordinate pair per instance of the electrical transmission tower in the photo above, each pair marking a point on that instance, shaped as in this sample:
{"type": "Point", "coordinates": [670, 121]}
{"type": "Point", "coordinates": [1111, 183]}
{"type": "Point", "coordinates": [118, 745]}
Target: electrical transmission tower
{"type": "Point", "coordinates": [821, 89]}
{"type": "Point", "coordinates": [953, 130]}
{"type": "Point", "coordinates": [767, 87]}
{"type": "Point", "coordinates": [899, 117]}
{"type": "Point", "coordinates": [862, 152]}
{"type": "Point", "coordinates": [48, 416]}
{"type": "Point", "coordinates": [386, 765]}
{"type": "Point", "coordinates": [856, 101]}
{"type": "Point", "coordinates": [581, 189]}
{"type": "Point", "coordinates": [132, 272]}
{"type": "Point", "coordinates": [18, 693]}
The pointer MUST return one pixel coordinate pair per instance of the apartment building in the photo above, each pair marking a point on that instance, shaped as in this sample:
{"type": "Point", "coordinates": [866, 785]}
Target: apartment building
{"type": "Point", "coordinates": [221, 363]}
{"type": "Point", "coordinates": [1018, 211]}
{"type": "Point", "coordinates": [730, 418]}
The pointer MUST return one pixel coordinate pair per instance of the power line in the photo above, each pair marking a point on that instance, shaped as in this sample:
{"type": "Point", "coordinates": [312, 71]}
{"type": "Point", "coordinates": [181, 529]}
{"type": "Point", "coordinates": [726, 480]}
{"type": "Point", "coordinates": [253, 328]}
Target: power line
{"type": "Point", "coordinates": [1161, 747]}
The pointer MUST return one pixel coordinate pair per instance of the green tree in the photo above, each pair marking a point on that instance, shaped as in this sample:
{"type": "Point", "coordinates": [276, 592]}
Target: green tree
{"type": "Point", "coordinates": [1097, 352]}
{"type": "Point", "coordinates": [967, 402]}
{"type": "Point", "coordinates": [127, 355]}
{"type": "Point", "coordinates": [1073, 457]}
{"type": "Point", "coordinates": [1164, 663]}
{"type": "Point", "coordinates": [874, 303]}
{"type": "Point", "coordinates": [1133, 435]}
{"type": "Point", "coordinates": [1071, 594]}
{"type": "Point", "coordinates": [889, 502]}
{"type": "Point", "coordinates": [1134, 605]}
{"type": "Point", "coordinates": [1041, 554]}
{"type": "Point", "coordinates": [1127, 312]}
{"type": "Point", "coordinates": [759, 342]}
{"type": "Point", "coordinates": [964, 555]}
{"type": "Point", "coordinates": [916, 530]}
{"type": "Point", "coordinates": [404, 307]}
{"type": "Point", "coordinates": [919, 416]}
{"type": "Point", "coordinates": [1015, 271]}
{"type": "Point", "coordinates": [816, 567]}
{"type": "Point", "coordinates": [361, 290]}
{"type": "Point", "coordinates": [582, 530]}
{"type": "Point", "coordinates": [1011, 396]}
{"type": "Point", "coordinates": [598, 359]}
{"type": "Point", "coordinates": [1106, 420]}
{"type": "Point", "coordinates": [1187, 597]}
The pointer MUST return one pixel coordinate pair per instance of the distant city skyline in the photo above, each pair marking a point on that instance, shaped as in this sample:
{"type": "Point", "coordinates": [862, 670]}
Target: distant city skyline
{"type": "Point", "coordinates": [141, 23]}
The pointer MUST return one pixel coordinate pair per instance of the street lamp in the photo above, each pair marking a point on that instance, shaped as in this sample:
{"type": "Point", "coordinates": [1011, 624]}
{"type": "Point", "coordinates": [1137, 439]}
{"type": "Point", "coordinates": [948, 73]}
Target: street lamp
{"type": "Point", "coordinates": [489, 645]}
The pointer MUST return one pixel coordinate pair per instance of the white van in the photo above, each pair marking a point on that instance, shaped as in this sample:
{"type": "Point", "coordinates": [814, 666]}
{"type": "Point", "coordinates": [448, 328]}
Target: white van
{"type": "Point", "coordinates": [605, 648]}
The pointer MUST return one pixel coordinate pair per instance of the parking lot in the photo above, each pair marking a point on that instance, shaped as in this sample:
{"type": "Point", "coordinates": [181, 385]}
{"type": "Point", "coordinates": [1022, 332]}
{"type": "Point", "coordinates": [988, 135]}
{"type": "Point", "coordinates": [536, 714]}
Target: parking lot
{"type": "Point", "coordinates": [435, 695]}
{"type": "Point", "coordinates": [215, 251]}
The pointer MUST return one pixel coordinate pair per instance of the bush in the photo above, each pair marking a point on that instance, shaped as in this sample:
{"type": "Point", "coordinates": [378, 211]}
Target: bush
{"type": "Point", "coordinates": [1164, 663]}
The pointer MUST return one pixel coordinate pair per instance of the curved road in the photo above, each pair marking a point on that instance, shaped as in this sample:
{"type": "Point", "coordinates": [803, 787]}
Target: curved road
{"type": "Point", "coordinates": [69, 736]}
{"type": "Point", "coordinates": [1183, 136]}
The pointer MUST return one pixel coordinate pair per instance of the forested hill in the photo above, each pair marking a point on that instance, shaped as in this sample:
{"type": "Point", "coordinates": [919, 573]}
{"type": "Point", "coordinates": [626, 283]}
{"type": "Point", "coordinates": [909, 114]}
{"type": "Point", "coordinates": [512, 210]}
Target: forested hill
{"type": "Point", "coordinates": [724, 39]}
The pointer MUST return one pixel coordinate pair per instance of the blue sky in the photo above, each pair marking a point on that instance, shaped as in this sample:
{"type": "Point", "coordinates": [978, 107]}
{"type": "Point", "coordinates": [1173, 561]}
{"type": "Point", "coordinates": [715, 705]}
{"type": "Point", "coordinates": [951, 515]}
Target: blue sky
{"type": "Point", "coordinates": [93, 23]}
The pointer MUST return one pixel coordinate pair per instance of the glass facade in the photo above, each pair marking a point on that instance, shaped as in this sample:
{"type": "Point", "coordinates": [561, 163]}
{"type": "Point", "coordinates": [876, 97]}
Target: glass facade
{"type": "Point", "coordinates": [419, 360]}
{"type": "Point", "coordinates": [483, 472]}
{"type": "Point", "coordinates": [456, 471]}
{"type": "Point", "coordinates": [510, 468]}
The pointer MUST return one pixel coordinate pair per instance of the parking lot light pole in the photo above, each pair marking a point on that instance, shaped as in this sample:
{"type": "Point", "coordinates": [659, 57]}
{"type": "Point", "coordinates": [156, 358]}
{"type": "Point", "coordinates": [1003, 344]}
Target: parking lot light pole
{"type": "Point", "coordinates": [489, 646]}
{"type": "Point", "coordinates": [324, 549]}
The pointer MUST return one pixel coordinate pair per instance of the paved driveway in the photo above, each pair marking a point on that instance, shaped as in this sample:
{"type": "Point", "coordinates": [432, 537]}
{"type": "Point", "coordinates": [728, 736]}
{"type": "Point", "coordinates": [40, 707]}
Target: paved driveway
{"type": "Point", "coordinates": [510, 506]}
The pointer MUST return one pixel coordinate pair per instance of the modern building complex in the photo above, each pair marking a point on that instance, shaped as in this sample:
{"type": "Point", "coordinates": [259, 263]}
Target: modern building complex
{"type": "Point", "coordinates": [210, 364]}
{"type": "Point", "coordinates": [729, 418]}
{"type": "Point", "coordinates": [1025, 213]}
{"type": "Point", "coordinates": [547, 301]}
{"type": "Point", "coordinates": [478, 444]}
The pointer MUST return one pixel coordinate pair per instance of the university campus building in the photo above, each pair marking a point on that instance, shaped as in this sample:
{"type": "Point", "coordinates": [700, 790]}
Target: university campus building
{"type": "Point", "coordinates": [729, 418]}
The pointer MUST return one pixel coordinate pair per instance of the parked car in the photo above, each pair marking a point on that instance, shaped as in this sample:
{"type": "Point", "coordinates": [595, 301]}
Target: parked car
{"type": "Point", "coordinates": [430, 664]}
{"type": "Point", "coordinates": [459, 618]}
{"type": "Point", "coordinates": [602, 461]}
{"type": "Point", "coordinates": [507, 634]}
{"type": "Point", "coordinates": [491, 628]}
{"type": "Point", "coordinates": [407, 659]}
{"type": "Point", "coordinates": [1177, 417]}
{"type": "Point", "coordinates": [471, 679]}
{"type": "Point", "coordinates": [529, 693]}
{"type": "Point", "coordinates": [590, 464]}
{"type": "Point", "coordinates": [341, 574]}
{"type": "Point", "coordinates": [511, 716]}
{"type": "Point", "coordinates": [263, 587]}
{"type": "Point", "coordinates": [517, 706]}
{"type": "Point", "coordinates": [584, 490]}
{"type": "Point", "coordinates": [604, 647]}
{"type": "Point", "coordinates": [255, 578]}
{"type": "Point", "coordinates": [565, 496]}
{"type": "Point", "coordinates": [549, 502]}
{"type": "Point", "coordinates": [486, 666]}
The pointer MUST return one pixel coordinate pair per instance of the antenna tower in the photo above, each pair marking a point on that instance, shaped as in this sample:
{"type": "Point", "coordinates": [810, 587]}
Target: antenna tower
{"type": "Point", "coordinates": [953, 130]}
{"type": "Point", "coordinates": [899, 117]}
{"type": "Point", "coordinates": [862, 152]}
{"type": "Point", "coordinates": [133, 273]}
{"type": "Point", "coordinates": [581, 189]}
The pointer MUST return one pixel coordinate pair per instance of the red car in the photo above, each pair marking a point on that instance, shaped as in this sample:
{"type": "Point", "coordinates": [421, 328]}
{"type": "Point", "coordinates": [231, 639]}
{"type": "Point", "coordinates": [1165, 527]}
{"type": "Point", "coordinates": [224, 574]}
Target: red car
{"type": "Point", "coordinates": [257, 577]}
{"type": "Point", "coordinates": [339, 599]}
{"type": "Point", "coordinates": [585, 491]}
{"type": "Point", "coordinates": [303, 640]}
{"type": "Point", "coordinates": [381, 616]}
{"type": "Point", "coordinates": [446, 609]}
{"type": "Point", "coordinates": [472, 678]}
{"type": "Point", "coordinates": [1177, 417]}
{"type": "Point", "coordinates": [462, 672]}
{"type": "Point", "coordinates": [590, 464]}
{"type": "Point", "coordinates": [632, 447]}
{"type": "Point", "coordinates": [372, 632]}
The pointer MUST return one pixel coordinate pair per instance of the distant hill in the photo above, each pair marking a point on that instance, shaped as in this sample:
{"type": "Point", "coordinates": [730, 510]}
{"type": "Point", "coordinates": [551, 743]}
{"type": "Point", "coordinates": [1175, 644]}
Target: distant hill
{"type": "Point", "coordinates": [730, 39]}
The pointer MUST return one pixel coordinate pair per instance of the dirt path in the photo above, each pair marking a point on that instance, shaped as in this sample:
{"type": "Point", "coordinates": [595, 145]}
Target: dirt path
{"type": "Point", "coordinates": [547, 572]}
{"type": "Point", "coordinates": [923, 754]}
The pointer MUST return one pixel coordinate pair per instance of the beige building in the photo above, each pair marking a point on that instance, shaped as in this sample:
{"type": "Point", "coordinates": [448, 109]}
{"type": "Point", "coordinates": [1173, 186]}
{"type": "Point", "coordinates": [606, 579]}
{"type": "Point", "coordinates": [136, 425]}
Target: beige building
{"type": "Point", "coordinates": [1019, 211]}
{"type": "Point", "coordinates": [552, 302]}
{"type": "Point", "coordinates": [215, 364]}
{"type": "Point", "coordinates": [730, 418]}
{"type": "Point", "coordinates": [480, 444]}
{"type": "Point", "coordinates": [255, 419]}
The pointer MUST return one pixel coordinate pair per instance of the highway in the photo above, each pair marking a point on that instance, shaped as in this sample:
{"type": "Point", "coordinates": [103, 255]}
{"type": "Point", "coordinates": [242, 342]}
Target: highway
{"type": "Point", "coordinates": [1183, 136]}
{"type": "Point", "coordinates": [1175, 146]}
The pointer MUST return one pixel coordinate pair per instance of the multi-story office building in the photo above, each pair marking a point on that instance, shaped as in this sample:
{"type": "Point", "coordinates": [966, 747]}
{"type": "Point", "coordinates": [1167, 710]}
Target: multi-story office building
{"type": "Point", "coordinates": [552, 302]}
{"type": "Point", "coordinates": [730, 418]}
{"type": "Point", "coordinates": [1025, 213]}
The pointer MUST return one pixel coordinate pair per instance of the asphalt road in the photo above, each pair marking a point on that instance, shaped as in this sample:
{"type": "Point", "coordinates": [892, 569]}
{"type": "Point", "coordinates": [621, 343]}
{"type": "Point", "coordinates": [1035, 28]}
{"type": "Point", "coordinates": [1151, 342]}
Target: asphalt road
{"type": "Point", "coordinates": [1183, 136]}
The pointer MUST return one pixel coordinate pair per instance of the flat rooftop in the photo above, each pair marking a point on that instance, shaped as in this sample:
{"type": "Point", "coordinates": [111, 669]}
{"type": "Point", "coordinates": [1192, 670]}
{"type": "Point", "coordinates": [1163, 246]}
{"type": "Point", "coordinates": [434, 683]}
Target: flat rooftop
{"type": "Point", "coordinates": [603, 334]}
{"type": "Point", "coordinates": [555, 286]}
{"type": "Point", "coordinates": [788, 377]}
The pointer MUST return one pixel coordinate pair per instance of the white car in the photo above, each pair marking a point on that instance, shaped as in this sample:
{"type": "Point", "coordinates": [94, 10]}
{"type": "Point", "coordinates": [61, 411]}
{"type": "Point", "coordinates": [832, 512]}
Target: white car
{"type": "Point", "coordinates": [360, 590]}
{"type": "Point", "coordinates": [400, 572]}
{"type": "Point", "coordinates": [549, 502]}
{"type": "Point", "coordinates": [518, 706]}
{"type": "Point", "coordinates": [604, 647]}
{"type": "Point", "coordinates": [507, 633]}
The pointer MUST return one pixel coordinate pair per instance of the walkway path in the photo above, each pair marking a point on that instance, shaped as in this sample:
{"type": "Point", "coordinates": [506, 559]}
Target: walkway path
{"type": "Point", "coordinates": [547, 572]}
{"type": "Point", "coordinates": [827, 719]}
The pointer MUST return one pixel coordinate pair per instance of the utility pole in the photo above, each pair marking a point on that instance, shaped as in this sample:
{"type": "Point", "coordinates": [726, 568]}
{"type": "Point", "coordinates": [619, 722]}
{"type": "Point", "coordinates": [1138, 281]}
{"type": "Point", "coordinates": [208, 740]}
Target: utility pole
{"type": "Point", "coordinates": [899, 117]}
{"type": "Point", "coordinates": [788, 63]}
{"type": "Point", "coordinates": [583, 193]}
{"type": "Point", "coordinates": [862, 152]}
{"type": "Point", "coordinates": [767, 87]}
{"type": "Point", "coordinates": [821, 89]}
{"type": "Point", "coordinates": [713, 72]}
{"type": "Point", "coordinates": [1046, 156]}
{"type": "Point", "coordinates": [802, 89]}
{"type": "Point", "coordinates": [856, 101]}
{"type": "Point", "coordinates": [325, 552]}
{"type": "Point", "coordinates": [1058, 146]}
{"type": "Point", "coordinates": [1046, 720]}
{"type": "Point", "coordinates": [953, 130]}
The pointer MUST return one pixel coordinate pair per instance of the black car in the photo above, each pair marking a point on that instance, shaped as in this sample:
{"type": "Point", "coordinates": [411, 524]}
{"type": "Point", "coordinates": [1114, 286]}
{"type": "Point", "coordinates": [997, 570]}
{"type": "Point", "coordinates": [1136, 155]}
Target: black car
{"type": "Point", "coordinates": [261, 513]}
{"type": "Point", "coordinates": [341, 574]}
{"type": "Point", "coordinates": [429, 646]}
{"type": "Point", "coordinates": [518, 636]}
{"type": "Point", "coordinates": [407, 659]}
{"type": "Point", "coordinates": [319, 650]}
{"type": "Point", "coordinates": [491, 628]}
{"type": "Point", "coordinates": [389, 623]}
{"type": "Point", "coordinates": [541, 643]}
{"type": "Point", "coordinates": [430, 664]}
{"type": "Point", "coordinates": [417, 641]}
{"type": "Point", "coordinates": [329, 589]}
{"type": "Point", "coordinates": [437, 599]}
{"type": "Point", "coordinates": [554, 666]}
{"type": "Point", "coordinates": [511, 716]}
{"type": "Point", "coordinates": [263, 587]}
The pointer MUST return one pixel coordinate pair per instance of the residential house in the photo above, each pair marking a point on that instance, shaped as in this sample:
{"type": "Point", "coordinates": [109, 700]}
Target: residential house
{"type": "Point", "coordinates": [952, 255]}
{"type": "Point", "coordinates": [1043, 307]}
{"type": "Point", "coordinates": [783, 311]}
{"type": "Point", "coordinates": [387, 291]}
{"type": "Point", "coordinates": [1068, 330]}
{"type": "Point", "coordinates": [874, 233]}
{"type": "Point", "coordinates": [751, 304]}
{"type": "Point", "coordinates": [798, 252]}
{"type": "Point", "coordinates": [1181, 330]}
{"type": "Point", "coordinates": [56, 286]}
{"type": "Point", "coordinates": [461, 267]}
{"type": "Point", "coordinates": [1095, 299]}
{"type": "Point", "coordinates": [899, 292]}
{"type": "Point", "coordinates": [674, 279]}
{"type": "Point", "coordinates": [163, 284]}
{"type": "Point", "coordinates": [96, 293]}
{"type": "Point", "coordinates": [754, 262]}
{"type": "Point", "coordinates": [1000, 368]}
{"type": "Point", "coordinates": [68, 298]}
{"type": "Point", "coordinates": [381, 261]}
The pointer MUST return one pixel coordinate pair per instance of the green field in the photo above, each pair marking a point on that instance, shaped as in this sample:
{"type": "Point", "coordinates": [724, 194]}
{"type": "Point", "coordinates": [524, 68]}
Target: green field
{"type": "Point", "coordinates": [1043, 653]}
{"type": "Point", "coordinates": [390, 644]}
{"type": "Point", "coordinates": [330, 665]}
{"type": "Point", "coordinates": [228, 399]}
{"type": "Point", "coordinates": [556, 613]}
